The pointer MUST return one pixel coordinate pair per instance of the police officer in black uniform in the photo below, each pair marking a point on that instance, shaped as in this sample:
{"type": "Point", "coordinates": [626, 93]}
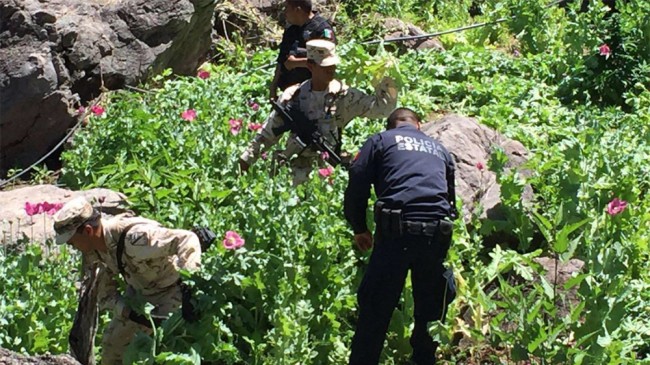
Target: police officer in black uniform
{"type": "Point", "coordinates": [413, 176]}
{"type": "Point", "coordinates": [292, 60]}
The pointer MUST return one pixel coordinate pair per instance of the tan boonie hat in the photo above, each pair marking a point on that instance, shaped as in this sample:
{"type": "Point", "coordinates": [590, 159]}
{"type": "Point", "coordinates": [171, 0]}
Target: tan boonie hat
{"type": "Point", "coordinates": [71, 216]}
{"type": "Point", "coordinates": [322, 52]}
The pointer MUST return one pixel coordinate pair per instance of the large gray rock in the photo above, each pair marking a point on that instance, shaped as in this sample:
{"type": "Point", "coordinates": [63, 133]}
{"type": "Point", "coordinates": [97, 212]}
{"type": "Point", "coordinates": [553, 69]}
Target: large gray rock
{"type": "Point", "coordinates": [16, 225]}
{"type": "Point", "coordinates": [11, 358]}
{"type": "Point", "coordinates": [396, 28]}
{"type": "Point", "coordinates": [56, 55]}
{"type": "Point", "coordinates": [471, 143]}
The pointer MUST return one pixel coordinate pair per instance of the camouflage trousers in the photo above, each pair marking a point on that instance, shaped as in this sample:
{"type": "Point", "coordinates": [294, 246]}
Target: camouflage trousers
{"type": "Point", "coordinates": [121, 331]}
{"type": "Point", "coordinates": [300, 169]}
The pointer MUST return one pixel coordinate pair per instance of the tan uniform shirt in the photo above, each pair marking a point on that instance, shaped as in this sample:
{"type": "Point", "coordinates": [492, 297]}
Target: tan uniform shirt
{"type": "Point", "coordinates": [152, 257]}
{"type": "Point", "coordinates": [349, 104]}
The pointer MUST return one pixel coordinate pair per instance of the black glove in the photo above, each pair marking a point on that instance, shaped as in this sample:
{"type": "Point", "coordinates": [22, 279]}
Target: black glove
{"type": "Point", "coordinates": [190, 314]}
{"type": "Point", "coordinates": [206, 237]}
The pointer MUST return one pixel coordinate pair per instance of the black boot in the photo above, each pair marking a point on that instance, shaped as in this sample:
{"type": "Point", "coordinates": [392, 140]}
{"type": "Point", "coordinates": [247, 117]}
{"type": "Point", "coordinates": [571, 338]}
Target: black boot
{"type": "Point", "coordinates": [424, 348]}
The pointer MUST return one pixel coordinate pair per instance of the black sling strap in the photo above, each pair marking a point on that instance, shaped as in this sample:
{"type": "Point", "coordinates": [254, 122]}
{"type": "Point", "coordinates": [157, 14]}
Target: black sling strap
{"type": "Point", "coordinates": [187, 308]}
{"type": "Point", "coordinates": [120, 248]}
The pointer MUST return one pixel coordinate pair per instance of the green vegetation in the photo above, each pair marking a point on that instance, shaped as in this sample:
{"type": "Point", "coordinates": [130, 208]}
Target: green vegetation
{"type": "Point", "coordinates": [288, 296]}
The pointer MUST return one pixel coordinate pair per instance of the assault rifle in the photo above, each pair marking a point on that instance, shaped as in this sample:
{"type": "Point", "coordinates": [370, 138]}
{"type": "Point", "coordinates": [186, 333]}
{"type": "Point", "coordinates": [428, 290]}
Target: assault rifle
{"type": "Point", "coordinates": [307, 134]}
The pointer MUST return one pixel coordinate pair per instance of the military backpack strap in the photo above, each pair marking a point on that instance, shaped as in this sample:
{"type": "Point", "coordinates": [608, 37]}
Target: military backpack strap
{"type": "Point", "coordinates": [120, 248]}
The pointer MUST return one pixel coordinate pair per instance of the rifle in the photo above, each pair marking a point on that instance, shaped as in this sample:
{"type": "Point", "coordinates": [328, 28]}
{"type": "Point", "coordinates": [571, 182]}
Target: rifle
{"type": "Point", "coordinates": [84, 328]}
{"type": "Point", "coordinates": [307, 134]}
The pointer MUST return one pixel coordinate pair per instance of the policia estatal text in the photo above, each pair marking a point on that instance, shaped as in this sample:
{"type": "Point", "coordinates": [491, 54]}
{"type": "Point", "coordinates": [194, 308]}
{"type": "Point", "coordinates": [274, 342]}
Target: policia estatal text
{"type": "Point", "coordinates": [413, 177]}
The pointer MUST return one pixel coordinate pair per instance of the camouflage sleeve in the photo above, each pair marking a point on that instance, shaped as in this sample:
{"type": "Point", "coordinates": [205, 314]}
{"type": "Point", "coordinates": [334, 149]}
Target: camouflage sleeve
{"type": "Point", "coordinates": [356, 103]}
{"type": "Point", "coordinates": [266, 138]}
{"type": "Point", "coordinates": [150, 242]}
{"type": "Point", "coordinates": [108, 297]}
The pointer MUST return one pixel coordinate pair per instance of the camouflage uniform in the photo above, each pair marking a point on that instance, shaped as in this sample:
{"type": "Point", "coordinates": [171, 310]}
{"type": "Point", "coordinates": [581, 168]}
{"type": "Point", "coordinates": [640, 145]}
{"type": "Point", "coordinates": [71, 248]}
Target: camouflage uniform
{"type": "Point", "coordinates": [331, 116]}
{"type": "Point", "coordinates": [152, 257]}
{"type": "Point", "coordinates": [349, 103]}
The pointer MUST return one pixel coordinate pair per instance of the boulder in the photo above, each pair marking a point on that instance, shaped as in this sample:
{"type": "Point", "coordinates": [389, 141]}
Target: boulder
{"type": "Point", "coordinates": [396, 28]}
{"type": "Point", "coordinates": [16, 225]}
{"type": "Point", "coordinates": [471, 144]}
{"type": "Point", "coordinates": [57, 55]}
{"type": "Point", "coordinates": [11, 358]}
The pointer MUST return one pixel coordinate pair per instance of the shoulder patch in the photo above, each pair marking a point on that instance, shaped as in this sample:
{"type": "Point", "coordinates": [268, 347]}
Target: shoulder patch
{"type": "Point", "coordinates": [137, 238]}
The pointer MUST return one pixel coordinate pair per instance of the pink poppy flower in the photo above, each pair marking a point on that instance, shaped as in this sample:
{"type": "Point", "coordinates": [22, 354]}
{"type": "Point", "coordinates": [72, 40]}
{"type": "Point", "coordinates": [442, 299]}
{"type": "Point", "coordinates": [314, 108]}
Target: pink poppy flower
{"type": "Point", "coordinates": [480, 166]}
{"type": "Point", "coordinates": [324, 156]}
{"type": "Point", "coordinates": [604, 50]}
{"type": "Point", "coordinates": [255, 106]}
{"type": "Point", "coordinates": [616, 206]}
{"type": "Point", "coordinates": [98, 110]}
{"type": "Point", "coordinates": [81, 110]}
{"type": "Point", "coordinates": [189, 115]}
{"type": "Point", "coordinates": [233, 240]}
{"type": "Point", "coordinates": [326, 172]}
{"type": "Point", "coordinates": [32, 209]}
{"type": "Point", "coordinates": [50, 208]}
{"type": "Point", "coordinates": [254, 126]}
{"type": "Point", "coordinates": [235, 126]}
{"type": "Point", "coordinates": [265, 155]}
{"type": "Point", "coordinates": [203, 74]}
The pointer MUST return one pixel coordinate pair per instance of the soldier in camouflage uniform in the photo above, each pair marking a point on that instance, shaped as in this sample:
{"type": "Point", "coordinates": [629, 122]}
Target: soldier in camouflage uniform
{"type": "Point", "coordinates": [328, 102]}
{"type": "Point", "coordinates": [151, 259]}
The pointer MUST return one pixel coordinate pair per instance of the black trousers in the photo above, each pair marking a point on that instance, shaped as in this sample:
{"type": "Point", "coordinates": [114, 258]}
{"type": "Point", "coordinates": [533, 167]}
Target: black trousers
{"type": "Point", "coordinates": [382, 286]}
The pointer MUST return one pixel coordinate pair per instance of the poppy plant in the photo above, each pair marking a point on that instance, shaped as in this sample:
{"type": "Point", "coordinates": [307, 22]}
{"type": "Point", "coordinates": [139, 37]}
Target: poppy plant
{"type": "Point", "coordinates": [604, 51]}
{"type": "Point", "coordinates": [98, 110]}
{"type": "Point", "coordinates": [235, 126]}
{"type": "Point", "coordinates": [203, 74]}
{"type": "Point", "coordinates": [233, 240]}
{"type": "Point", "coordinates": [254, 126]}
{"type": "Point", "coordinates": [189, 115]}
{"type": "Point", "coordinates": [616, 206]}
{"type": "Point", "coordinates": [326, 172]}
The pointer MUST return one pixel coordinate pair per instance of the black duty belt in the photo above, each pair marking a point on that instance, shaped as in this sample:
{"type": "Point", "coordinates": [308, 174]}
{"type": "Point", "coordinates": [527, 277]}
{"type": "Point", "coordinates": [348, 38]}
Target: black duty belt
{"type": "Point", "coordinates": [420, 228]}
{"type": "Point", "coordinates": [391, 222]}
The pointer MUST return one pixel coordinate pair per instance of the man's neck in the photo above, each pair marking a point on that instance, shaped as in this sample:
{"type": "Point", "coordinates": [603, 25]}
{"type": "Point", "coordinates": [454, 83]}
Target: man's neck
{"type": "Point", "coordinates": [319, 85]}
{"type": "Point", "coordinates": [304, 20]}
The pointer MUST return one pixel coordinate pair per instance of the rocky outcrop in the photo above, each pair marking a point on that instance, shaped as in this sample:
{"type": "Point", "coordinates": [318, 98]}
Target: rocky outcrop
{"type": "Point", "coordinates": [11, 358]}
{"type": "Point", "coordinates": [258, 22]}
{"type": "Point", "coordinates": [395, 28]}
{"type": "Point", "coordinates": [471, 144]}
{"type": "Point", "coordinates": [56, 55]}
{"type": "Point", "coordinates": [16, 225]}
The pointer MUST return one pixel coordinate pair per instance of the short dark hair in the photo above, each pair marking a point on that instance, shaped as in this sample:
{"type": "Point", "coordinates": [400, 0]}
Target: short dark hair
{"type": "Point", "coordinates": [305, 5]}
{"type": "Point", "coordinates": [94, 221]}
{"type": "Point", "coordinates": [402, 115]}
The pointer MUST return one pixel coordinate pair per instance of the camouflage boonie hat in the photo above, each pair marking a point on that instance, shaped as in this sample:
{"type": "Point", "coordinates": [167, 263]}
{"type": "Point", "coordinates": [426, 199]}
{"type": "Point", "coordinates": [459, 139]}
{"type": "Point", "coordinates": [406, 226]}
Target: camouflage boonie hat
{"type": "Point", "coordinates": [71, 216]}
{"type": "Point", "coordinates": [322, 52]}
